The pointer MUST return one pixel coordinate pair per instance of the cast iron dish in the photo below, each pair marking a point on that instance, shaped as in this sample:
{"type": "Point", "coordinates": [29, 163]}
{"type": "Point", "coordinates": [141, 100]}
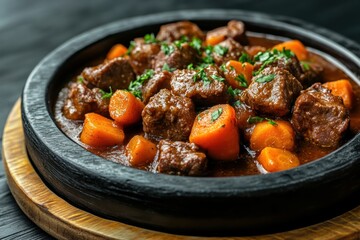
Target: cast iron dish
{"type": "Point", "coordinates": [190, 205]}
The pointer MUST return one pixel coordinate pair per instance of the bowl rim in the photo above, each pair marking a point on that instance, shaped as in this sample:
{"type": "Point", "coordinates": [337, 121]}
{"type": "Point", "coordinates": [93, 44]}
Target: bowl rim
{"type": "Point", "coordinates": [35, 107]}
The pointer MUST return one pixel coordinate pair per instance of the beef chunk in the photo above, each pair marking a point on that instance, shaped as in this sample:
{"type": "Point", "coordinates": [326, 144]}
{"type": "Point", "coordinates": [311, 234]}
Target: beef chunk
{"type": "Point", "coordinates": [243, 112]}
{"type": "Point", "coordinates": [311, 74]}
{"type": "Point", "coordinates": [142, 54]}
{"type": "Point", "coordinates": [180, 158]}
{"type": "Point", "coordinates": [159, 81]}
{"type": "Point", "coordinates": [234, 29]}
{"type": "Point", "coordinates": [291, 64]}
{"type": "Point", "coordinates": [174, 31]}
{"type": "Point", "coordinates": [233, 51]}
{"type": "Point", "coordinates": [275, 95]}
{"type": "Point", "coordinates": [200, 85]}
{"type": "Point", "coordinates": [178, 58]}
{"type": "Point", "coordinates": [82, 100]}
{"type": "Point", "coordinates": [168, 116]}
{"type": "Point", "coordinates": [116, 73]}
{"type": "Point", "coordinates": [320, 117]}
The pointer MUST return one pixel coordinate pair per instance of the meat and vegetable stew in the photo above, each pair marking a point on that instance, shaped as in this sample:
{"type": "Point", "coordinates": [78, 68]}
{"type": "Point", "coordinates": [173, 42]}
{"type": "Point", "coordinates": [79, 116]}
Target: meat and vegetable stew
{"type": "Point", "coordinates": [215, 103]}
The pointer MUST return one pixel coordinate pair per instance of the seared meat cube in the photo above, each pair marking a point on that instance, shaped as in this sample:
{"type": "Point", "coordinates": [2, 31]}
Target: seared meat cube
{"type": "Point", "coordinates": [116, 73]}
{"type": "Point", "coordinates": [243, 112]}
{"type": "Point", "coordinates": [202, 86]}
{"type": "Point", "coordinates": [159, 81]}
{"type": "Point", "coordinates": [272, 91]}
{"type": "Point", "coordinates": [320, 117]}
{"type": "Point", "coordinates": [174, 31]}
{"type": "Point", "coordinates": [168, 116]}
{"type": "Point", "coordinates": [227, 50]}
{"type": "Point", "coordinates": [180, 158]}
{"type": "Point", "coordinates": [82, 100]}
{"type": "Point", "coordinates": [178, 58]}
{"type": "Point", "coordinates": [311, 74]}
{"type": "Point", "coordinates": [142, 54]}
{"type": "Point", "coordinates": [234, 29]}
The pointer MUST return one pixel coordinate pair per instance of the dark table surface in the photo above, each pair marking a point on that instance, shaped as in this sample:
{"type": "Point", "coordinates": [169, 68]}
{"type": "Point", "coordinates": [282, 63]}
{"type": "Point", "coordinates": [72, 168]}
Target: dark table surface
{"type": "Point", "coordinates": [31, 29]}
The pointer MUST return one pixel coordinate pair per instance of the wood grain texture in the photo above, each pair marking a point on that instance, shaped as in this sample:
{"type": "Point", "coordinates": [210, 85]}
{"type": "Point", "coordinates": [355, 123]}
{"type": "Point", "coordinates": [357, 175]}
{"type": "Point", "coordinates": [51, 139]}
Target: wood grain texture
{"type": "Point", "coordinates": [64, 221]}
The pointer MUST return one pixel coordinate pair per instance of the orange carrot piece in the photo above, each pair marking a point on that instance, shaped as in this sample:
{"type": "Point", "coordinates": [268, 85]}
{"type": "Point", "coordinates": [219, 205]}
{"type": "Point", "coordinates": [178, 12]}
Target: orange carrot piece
{"type": "Point", "coordinates": [117, 50]}
{"type": "Point", "coordinates": [213, 39]}
{"type": "Point", "coordinates": [125, 108]}
{"type": "Point", "coordinates": [215, 130]}
{"type": "Point", "coordinates": [280, 135]}
{"type": "Point", "coordinates": [244, 69]}
{"type": "Point", "coordinates": [343, 89]}
{"type": "Point", "coordinates": [99, 131]}
{"type": "Point", "coordinates": [275, 159]}
{"type": "Point", "coordinates": [140, 151]}
{"type": "Point", "coordinates": [296, 47]}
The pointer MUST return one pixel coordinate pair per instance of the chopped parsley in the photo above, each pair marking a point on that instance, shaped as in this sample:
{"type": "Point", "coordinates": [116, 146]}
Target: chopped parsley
{"type": "Point", "coordinates": [80, 79]}
{"type": "Point", "coordinates": [241, 80]}
{"type": "Point", "coordinates": [105, 95]}
{"type": "Point", "coordinates": [167, 68]}
{"type": "Point", "coordinates": [196, 43]}
{"type": "Point", "coordinates": [220, 50]}
{"type": "Point", "coordinates": [135, 86]}
{"type": "Point", "coordinates": [233, 92]}
{"type": "Point", "coordinates": [237, 103]}
{"type": "Point", "coordinates": [245, 58]}
{"type": "Point", "coordinates": [265, 78]}
{"type": "Point", "coordinates": [190, 66]}
{"type": "Point", "coordinates": [216, 114]}
{"type": "Point", "coordinates": [150, 38]}
{"type": "Point", "coordinates": [223, 67]}
{"type": "Point", "coordinates": [257, 119]}
{"type": "Point", "coordinates": [271, 56]}
{"type": "Point", "coordinates": [167, 49]}
{"type": "Point", "coordinates": [182, 40]}
{"type": "Point", "coordinates": [217, 78]}
{"type": "Point", "coordinates": [201, 74]}
{"type": "Point", "coordinates": [305, 65]}
{"type": "Point", "coordinates": [131, 47]}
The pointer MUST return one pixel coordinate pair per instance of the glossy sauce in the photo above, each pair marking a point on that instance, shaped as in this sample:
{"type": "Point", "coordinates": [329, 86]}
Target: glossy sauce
{"type": "Point", "coordinates": [247, 163]}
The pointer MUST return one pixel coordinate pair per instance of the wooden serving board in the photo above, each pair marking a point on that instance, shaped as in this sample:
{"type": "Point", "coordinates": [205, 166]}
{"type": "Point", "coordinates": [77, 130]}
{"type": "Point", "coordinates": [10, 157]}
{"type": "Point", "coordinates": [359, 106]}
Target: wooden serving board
{"type": "Point", "coordinates": [64, 221]}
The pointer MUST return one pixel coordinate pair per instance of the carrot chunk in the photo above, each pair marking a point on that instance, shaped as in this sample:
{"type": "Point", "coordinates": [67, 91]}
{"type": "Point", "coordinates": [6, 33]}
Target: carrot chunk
{"type": "Point", "coordinates": [215, 130]}
{"type": "Point", "coordinates": [296, 47]}
{"type": "Point", "coordinates": [278, 135]}
{"type": "Point", "coordinates": [117, 50]}
{"type": "Point", "coordinates": [343, 89]}
{"type": "Point", "coordinates": [275, 159]}
{"type": "Point", "coordinates": [239, 74]}
{"type": "Point", "coordinates": [213, 39]}
{"type": "Point", "coordinates": [140, 151]}
{"type": "Point", "coordinates": [125, 108]}
{"type": "Point", "coordinates": [99, 131]}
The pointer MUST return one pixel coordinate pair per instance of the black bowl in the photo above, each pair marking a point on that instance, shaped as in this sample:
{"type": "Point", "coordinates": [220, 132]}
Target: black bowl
{"type": "Point", "coordinates": [190, 205]}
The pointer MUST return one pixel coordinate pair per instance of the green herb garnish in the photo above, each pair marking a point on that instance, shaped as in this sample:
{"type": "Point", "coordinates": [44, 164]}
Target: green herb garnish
{"type": "Point", "coordinates": [196, 43]}
{"type": "Point", "coordinates": [201, 74]}
{"type": "Point", "coordinates": [135, 86]}
{"type": "Point", "coordinates": [220, 50]}
{"type": "Point", "coordinates": [216, 114]}
{"type": "Point", "coordinates": [182, 40]}
{"type": "Point", "coordinates": [241, 80]}
{"type": "Point", "coordinates": [271, 56]}
{"type": "Point", "coordinates": [265, 78]}
{"type": "Point", "coordinates": [105, 95]}
{"type": "Point", "coordinates": [237, 103]}
{"type": "Point", "coordinates": [257, 119]}
{"type": "Point", "coordinates": [217, 78]}
{"type": "Point", "coordinates": [167, 49]}
{"type": "Point", "coordinates": [223, 67]}
{"type": "Point", "coordinates": [131, 47]}
{"type": "Point", "coordinates": [150, 38]}
{"type": "Point", "coordinates": [167, 68]}
{"type": "Point", "coordinates": [245, 58]}
{"type": "Point", "coordinates": [305, 65]}
{"type": "Point", "coordinates": [233, 92]}
{"type": "Point", "coordinates": [80, 79]}
{"type": "Point", "coordinates": [190, 66]}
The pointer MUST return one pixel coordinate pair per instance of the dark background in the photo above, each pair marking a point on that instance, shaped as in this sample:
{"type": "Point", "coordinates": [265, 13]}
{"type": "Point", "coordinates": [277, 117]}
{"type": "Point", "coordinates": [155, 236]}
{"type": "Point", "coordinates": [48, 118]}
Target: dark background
{"type": "Point", "coordinates": [31, 29]}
